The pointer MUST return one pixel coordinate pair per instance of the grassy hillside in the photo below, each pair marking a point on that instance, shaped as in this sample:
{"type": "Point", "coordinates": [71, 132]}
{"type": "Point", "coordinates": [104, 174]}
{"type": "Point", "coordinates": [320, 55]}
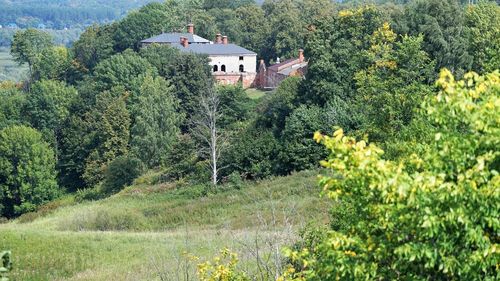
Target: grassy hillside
{"type": "Point", "coordinates": [141, 233]}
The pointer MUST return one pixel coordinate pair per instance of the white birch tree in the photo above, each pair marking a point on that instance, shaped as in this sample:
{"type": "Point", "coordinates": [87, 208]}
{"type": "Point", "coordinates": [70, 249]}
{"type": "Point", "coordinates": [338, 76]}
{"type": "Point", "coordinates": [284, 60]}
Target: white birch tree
{"type": "Point", "coordinates": [207, 130]}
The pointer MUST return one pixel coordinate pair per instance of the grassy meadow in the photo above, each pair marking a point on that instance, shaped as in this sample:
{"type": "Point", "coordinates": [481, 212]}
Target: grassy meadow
{"type": "Point", "coordinates": [146, 231]}
{"type": "Point", "coordinates": [9, 69]}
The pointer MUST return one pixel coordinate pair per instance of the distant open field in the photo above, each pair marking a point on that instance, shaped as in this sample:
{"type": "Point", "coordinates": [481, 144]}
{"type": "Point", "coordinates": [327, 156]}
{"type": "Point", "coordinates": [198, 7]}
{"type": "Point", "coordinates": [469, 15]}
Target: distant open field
{"type": "Point", "coordinates": [9, 69]}
{"type": "Point", "coordinates": [144, 232]}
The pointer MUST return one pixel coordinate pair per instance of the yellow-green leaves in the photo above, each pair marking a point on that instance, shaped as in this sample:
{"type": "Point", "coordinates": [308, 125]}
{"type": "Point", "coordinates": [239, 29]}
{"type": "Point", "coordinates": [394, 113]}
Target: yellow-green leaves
{"type": "Point", "coordinates": [432, 216]}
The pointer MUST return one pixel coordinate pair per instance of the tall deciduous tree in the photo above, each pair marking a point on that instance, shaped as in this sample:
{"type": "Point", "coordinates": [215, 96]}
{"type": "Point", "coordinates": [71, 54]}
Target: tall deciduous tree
{"type": "Point", "coordinates": [192, 76]}
{"type": "Point", "coordinates": [27, 171]}
{"type": "Point", "coordinates": [157, 121]}
{"type": "Point", "coordinates": [287, 30]}
{"type": "Point", "coordinates": [94, 45]}
{"type": "Point", "coordinates": [27, 44]}
{"type": "Point", "coordinates": [108, 133]}
{"type": "Point", "coordinates": [148, 21]}
{"type": "Point", "coordinates": [334, 50]}
{"type": "Point", "coordinates": [442, 23]}
{"type": "Point", "coordinates": [393, 86]}
{"type": "Point", "coordinates": [52, 63]}
{"type": "Point", "coordinates": [483, 21]}
{"type": "Point", "coordinates": [47, 107]}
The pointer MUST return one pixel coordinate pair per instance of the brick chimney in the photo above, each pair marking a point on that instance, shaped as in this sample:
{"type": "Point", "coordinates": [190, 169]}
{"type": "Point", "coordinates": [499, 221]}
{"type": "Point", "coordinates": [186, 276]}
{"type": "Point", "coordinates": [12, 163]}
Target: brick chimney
{"type": "Point", "coordinates": [301, 55]}
{"type": "Point", "coordinates": [184, 42]}
{"type": "Point", "coordinates": [218, 38]}
{"type": "Point", "coordinates": [190, 28]}
{"type": "Point", "coordinates": [224, 40]}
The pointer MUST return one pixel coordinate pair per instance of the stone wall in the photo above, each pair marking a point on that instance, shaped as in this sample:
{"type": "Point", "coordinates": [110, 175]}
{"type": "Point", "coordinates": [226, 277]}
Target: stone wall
{"type": "Point", "coordinates": [246, 79]}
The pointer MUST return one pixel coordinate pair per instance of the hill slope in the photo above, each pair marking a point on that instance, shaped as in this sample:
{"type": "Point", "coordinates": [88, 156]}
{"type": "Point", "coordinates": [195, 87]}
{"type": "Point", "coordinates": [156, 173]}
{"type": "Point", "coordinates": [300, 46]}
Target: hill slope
{"type": "Point", "coordinates": [140, 234]}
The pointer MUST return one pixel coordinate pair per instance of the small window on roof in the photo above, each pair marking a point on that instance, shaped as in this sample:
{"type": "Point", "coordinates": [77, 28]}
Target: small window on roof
{"type": "Point", "coordinates": [216, 68]}
{"type": "Point", "coordinates": [241, 57]}
{"type": "Point", "coordinates": [223, 68]}
{"type": "Point", "coordinates": [242, 68]}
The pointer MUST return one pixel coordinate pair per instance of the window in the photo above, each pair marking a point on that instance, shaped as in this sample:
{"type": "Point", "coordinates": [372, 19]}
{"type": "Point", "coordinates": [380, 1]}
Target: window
{"type": "Point", "coordinates": [241, 57]}
{"type": "Point", "coordinates": [216, 68]}
{"type": "Point", "coordinates": [242, 68]}
{"type": "Point", "coordinates": [223, 68]}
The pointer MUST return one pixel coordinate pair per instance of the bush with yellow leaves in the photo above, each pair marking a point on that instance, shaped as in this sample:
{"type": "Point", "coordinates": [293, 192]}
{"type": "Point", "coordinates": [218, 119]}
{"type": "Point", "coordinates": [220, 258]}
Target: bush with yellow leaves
{"type": "Point", "coordinates": [221, 268]}
{"type": "Point", "coordinates": [432, 216]}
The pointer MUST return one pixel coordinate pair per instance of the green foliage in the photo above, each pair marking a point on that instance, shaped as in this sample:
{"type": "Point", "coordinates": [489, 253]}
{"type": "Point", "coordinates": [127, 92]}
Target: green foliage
{"type": "Point", "coordinates": [287, 31]}
{"type": "Point", "coordinates": [279, 105]}
{"type": "Point", "coordinates": [160, 56]}
{"type": "Point", "coordinates": [430, 216]}
{"type": "Point", "coordinates": [442, 23]}
{"type": "Point", "coordinates": [5, 265]}
{"type": "Point", "coordinates": [89, 194]}
{"type": "Point", "coordinates": [335, 52]}
{"type": "Point", "coordinates": [47, 106]}
{"type": "Point", "coordinates": [121, 172]}
{"type": "Point", "coordinates": [182, 158]}
{"type": "Point", "coordinates": [12, 102]}
{"type": "Point", "coordinates": [252, 31]}
{"type": "Point", "coordinates": [483, 21]}
{"type": "Point", "coordinates": [60, 14]}
{"type": "Point", "coordinates": [52, 63]}
{"type": "Point", "coordinates": [235, 106]}
{"type": "Point", "coordinates": [156, 123]}
{"type": "Point", "coordinates": [93, 46]}
{"type": "Point", "coordinates": [192, 76]}
{"type": "Point", "coordinates": [148, 21]}
{"type": "Point", "coordinates": [393, 86]}
{"type": "Point", "coordinates": [298, 149]}
{"type": "Point", "coordinates": [252, 154]}
{"type": "Point", "coordinates": [27, 44]}
{"type": "Point", "coordinates": [27, 171]}
{"type": "Point", "coordinates": [107, 133]}
{"type": "Point", "coordinates": [126, 69]}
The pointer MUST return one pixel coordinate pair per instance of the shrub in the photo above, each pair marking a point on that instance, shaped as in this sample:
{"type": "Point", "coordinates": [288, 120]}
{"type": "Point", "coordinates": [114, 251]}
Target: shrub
{"type": "Point", "coordinates": [299, 151]}
{"type": "Point", "coordinates": [27, 171]}
{"type": "Point", "coordinates": [89, 194]}
{"type": "Point", "coordinates": [5, 265]}
{"type": "Point", "coordinates": [121, 172]}
{"type": "Point", "coordinates": [181, 160]}
{"type": "Point", "coordinates": [253, 154]}
{"type": "Point", "coordinates": [222, 268]}
{"type": "Point", "coordinates": [106, 219]}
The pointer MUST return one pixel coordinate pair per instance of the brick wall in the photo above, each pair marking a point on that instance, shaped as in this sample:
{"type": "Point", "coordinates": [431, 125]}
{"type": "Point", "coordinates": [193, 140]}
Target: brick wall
{"type": "Point", "coordinates": [246, 79]}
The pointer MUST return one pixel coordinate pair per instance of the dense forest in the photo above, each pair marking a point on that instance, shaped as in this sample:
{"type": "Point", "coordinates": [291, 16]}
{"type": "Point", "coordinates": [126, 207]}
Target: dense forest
{"type": "Point", "coordinates": [59, 14]}
{"type": "Point", "coordinates": [94, 116]}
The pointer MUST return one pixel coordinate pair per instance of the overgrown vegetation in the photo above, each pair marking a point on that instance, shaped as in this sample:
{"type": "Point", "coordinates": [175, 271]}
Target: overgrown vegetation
{"type": "Point", "coordinates": [104, 114]}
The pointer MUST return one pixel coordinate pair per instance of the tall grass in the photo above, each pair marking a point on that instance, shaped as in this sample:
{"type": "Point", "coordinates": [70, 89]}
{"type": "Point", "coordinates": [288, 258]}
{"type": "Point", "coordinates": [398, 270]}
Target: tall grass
{"type": "Point", "coordinates": [144, 232]}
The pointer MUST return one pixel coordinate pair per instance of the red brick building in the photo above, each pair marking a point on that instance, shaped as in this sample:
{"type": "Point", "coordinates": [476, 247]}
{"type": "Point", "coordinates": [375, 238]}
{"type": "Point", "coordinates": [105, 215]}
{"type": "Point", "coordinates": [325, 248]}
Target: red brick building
{"type": "Point", "coordinates": [269, 78]}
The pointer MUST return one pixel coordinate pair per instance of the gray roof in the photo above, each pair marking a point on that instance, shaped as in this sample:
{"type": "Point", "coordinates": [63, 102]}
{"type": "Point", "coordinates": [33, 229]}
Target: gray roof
{"type": "Point", "coordinates": [215, 49]}
{"type": "Point", "coordinates": [292, 68]}
{"type": "Point", "coordinates": [175, 38]}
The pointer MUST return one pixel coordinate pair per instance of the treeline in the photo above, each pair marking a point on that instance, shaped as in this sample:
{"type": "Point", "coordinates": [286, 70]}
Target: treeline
{"type": "Point", "coordinates": [61, 37]}
{"type": "Point", "coordinates": [63, 13]}
{"type": "Point", "coordinates": [96, 115]}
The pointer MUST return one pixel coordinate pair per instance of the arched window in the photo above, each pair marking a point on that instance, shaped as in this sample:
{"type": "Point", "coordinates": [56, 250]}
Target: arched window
{"type": "Point", "coordinates": [242, 68]}
{"type": "Point", "coordinates": [216, 68]}
{"type": "Point", "coordinates": [223, 68]}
